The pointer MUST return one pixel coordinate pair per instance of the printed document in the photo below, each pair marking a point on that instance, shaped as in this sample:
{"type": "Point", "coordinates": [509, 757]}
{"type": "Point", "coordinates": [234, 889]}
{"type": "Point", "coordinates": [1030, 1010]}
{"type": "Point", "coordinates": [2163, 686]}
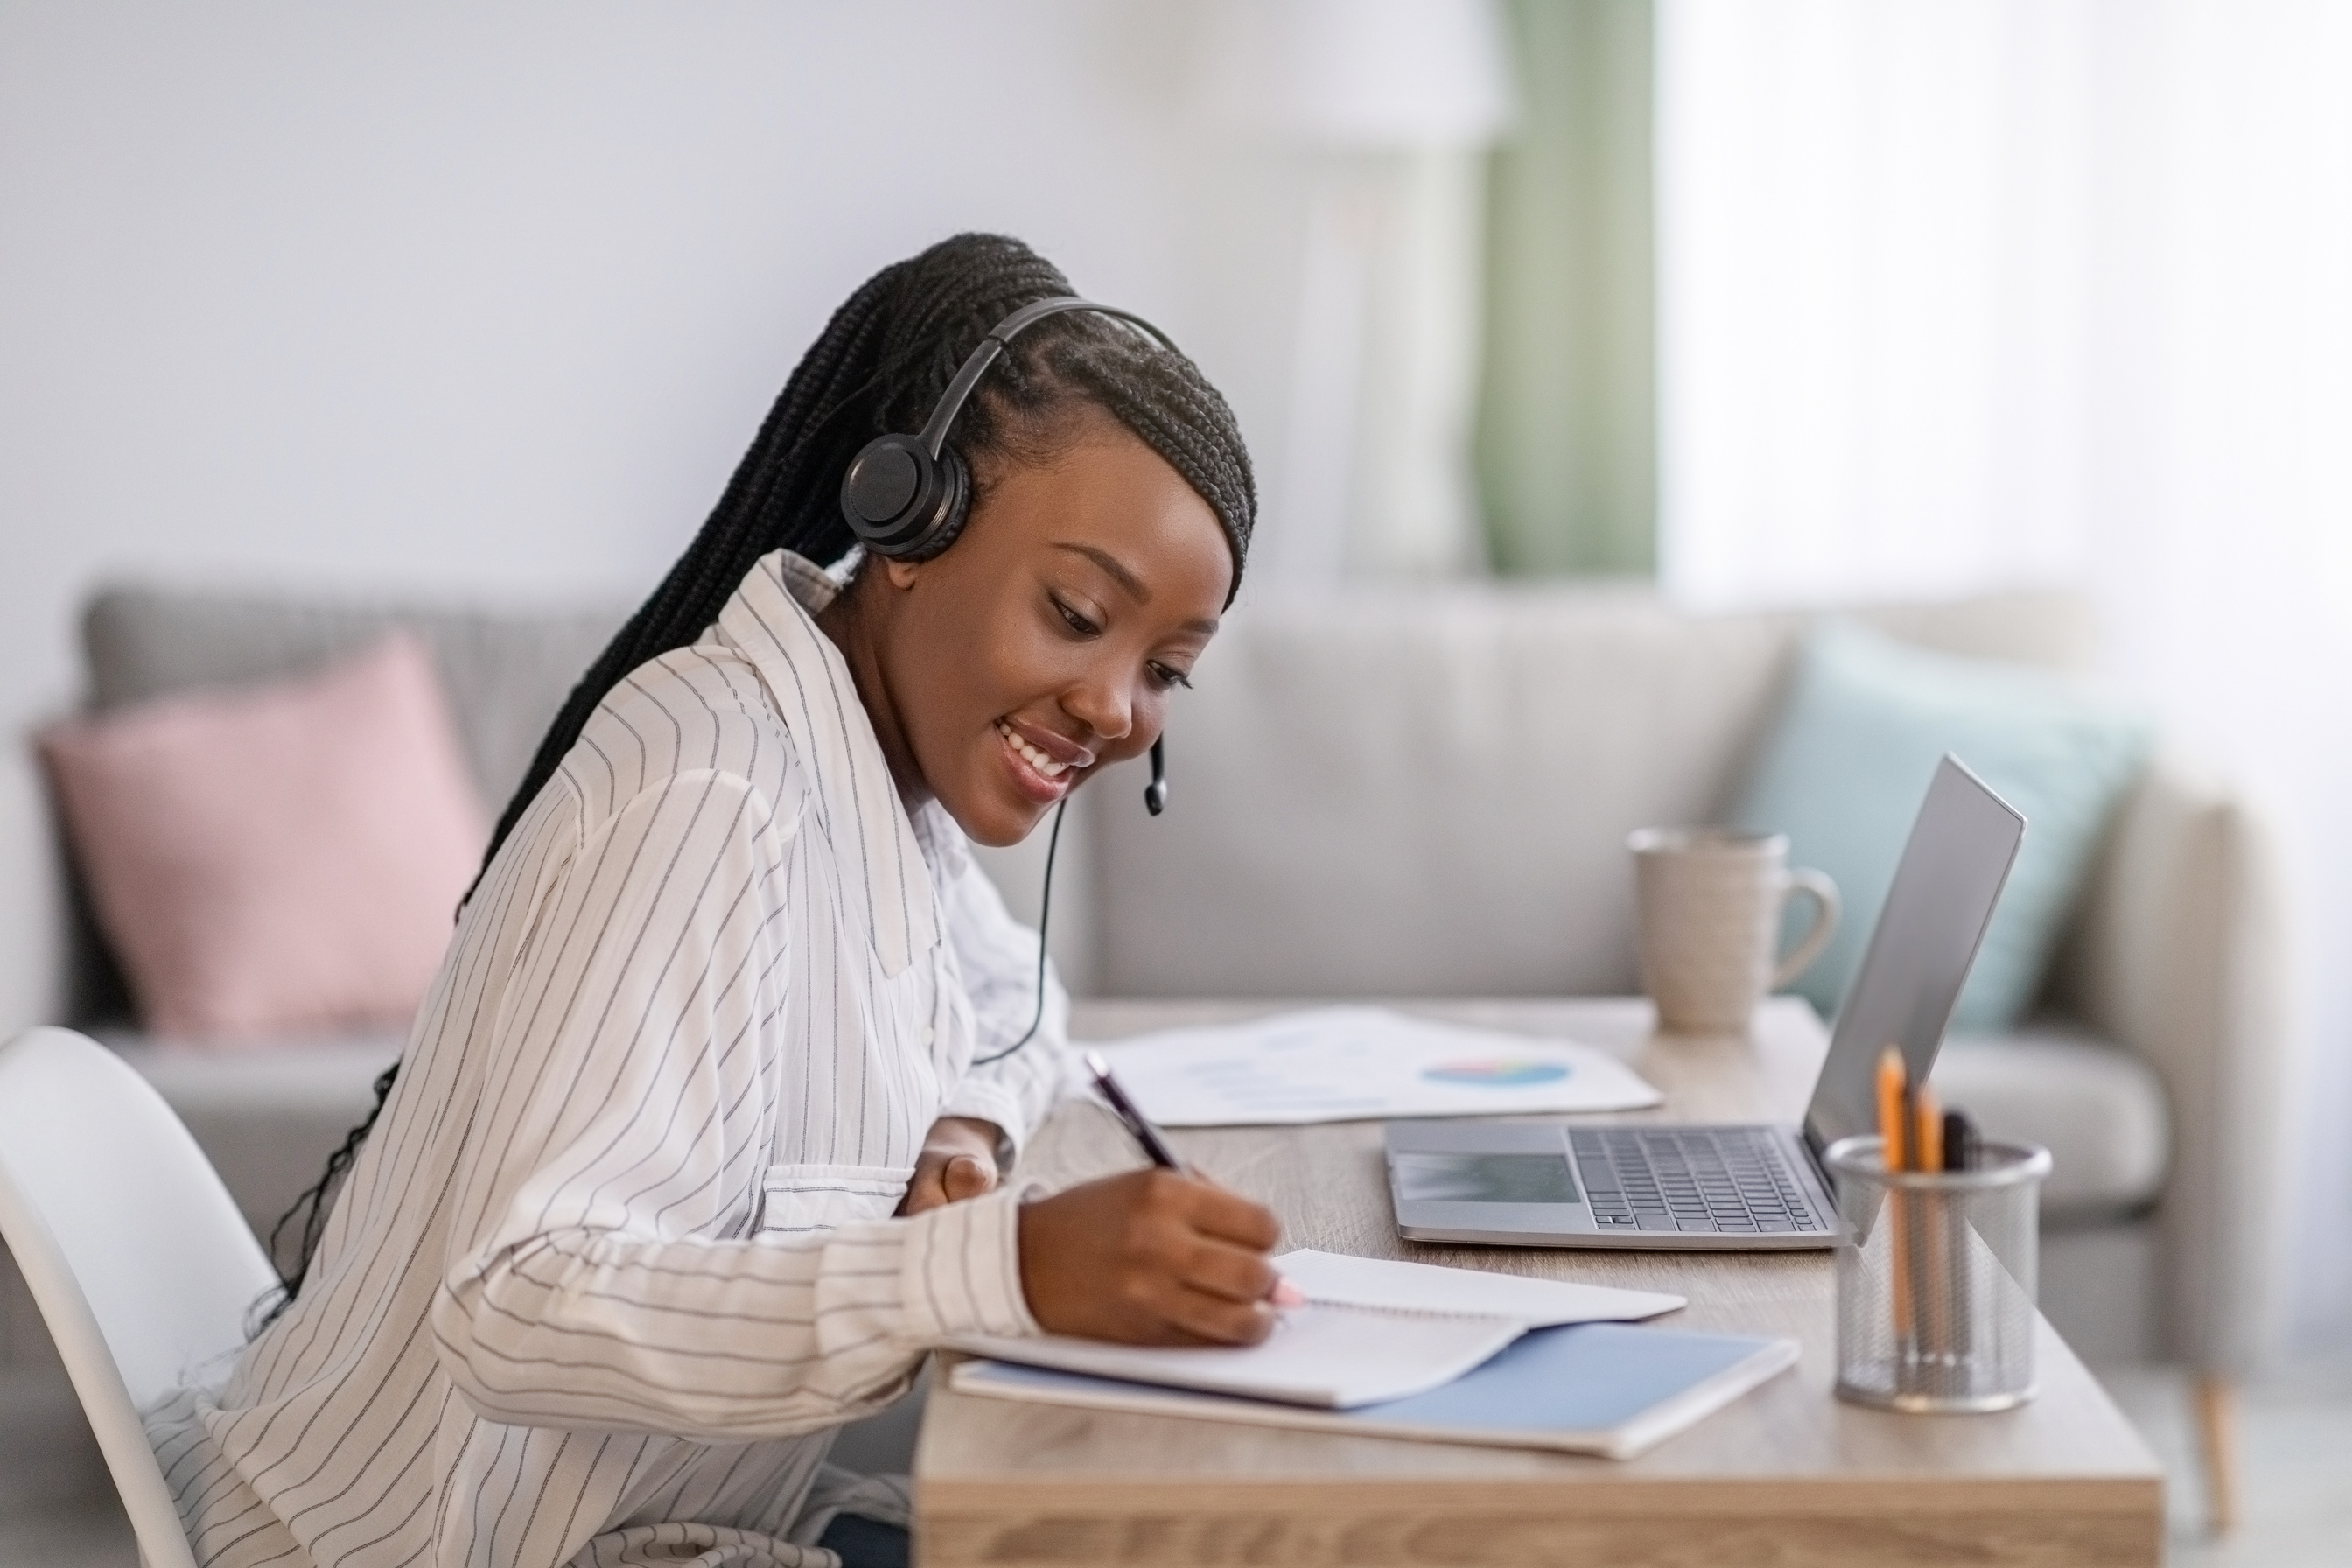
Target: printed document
{"type": "Point", "coordinates": [1349, 1064]}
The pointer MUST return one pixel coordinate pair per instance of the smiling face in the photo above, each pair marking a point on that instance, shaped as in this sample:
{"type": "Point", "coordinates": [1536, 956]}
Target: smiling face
{"type": "Point", "coordinates": [1042, 645]}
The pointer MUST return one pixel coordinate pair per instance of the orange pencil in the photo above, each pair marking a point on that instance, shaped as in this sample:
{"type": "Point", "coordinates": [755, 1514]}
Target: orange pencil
{"type": "Point", "coordinates": [1927, 1151]}
{"type": "Point", "coordinates": [1927, 1145]}
{"type": "Point", "coordinates": [1892, 1079]}
{"type": "Point", "coordinates": [1892, 1082]}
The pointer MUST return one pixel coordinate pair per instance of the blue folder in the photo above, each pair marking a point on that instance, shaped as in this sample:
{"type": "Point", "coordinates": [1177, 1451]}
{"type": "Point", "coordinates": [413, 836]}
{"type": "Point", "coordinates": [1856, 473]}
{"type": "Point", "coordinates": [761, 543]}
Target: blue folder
{"type": "Point", "coordinates": [1599, 1388]}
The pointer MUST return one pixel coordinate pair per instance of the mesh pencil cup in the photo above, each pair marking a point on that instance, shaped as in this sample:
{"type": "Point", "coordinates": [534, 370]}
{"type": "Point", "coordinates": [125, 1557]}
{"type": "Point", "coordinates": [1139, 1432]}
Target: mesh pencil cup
{"type": "Point", "coordinates": [1936, 1278]}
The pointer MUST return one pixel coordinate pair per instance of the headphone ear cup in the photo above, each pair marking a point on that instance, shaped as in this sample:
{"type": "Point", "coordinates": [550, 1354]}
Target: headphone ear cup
{"type": "Point", "coordinates": [895, 496]}
{"type": "Point", "coordinates": [955, 508]}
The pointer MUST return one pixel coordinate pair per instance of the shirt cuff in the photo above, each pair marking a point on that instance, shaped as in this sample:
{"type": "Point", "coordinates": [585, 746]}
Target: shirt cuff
{"type": "Point", "coordinates": [959, 1273]}
{"type": "Point", "coordinates": [985, 1100]}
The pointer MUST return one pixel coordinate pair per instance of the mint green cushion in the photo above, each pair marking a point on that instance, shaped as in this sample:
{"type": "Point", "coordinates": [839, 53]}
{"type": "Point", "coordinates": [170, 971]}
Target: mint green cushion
{"type": "Point", "coordinates": [1843, 774]}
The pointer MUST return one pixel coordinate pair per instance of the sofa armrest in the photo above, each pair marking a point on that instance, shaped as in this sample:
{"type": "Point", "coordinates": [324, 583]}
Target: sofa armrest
{"type": "Point", "coordinates": [2178, 954]}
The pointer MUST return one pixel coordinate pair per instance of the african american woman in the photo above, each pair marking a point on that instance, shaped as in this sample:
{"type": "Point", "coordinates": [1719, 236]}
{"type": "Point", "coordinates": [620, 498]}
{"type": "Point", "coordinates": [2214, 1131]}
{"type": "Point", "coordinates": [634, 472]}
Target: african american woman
{"type": "Point", "coordinates": [698, 1144]}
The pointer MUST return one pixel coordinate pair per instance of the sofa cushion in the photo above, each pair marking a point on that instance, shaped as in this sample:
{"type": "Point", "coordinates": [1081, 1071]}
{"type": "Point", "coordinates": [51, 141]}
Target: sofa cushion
{"type": "Point", "coordinates": [504, 675]}
{"type": "Point", "coordinates": [281, 857]}
{"type": "Point", "coordinates": [2099, 1110]}
{"type": "Point", "coordinates": [1866, 719]}
{"type": "Point", "coordinates": [1430, 793]}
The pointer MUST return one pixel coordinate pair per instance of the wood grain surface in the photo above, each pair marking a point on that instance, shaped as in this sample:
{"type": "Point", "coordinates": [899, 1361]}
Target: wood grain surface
{"type": "Point", "coordinates": [1786, 1475]}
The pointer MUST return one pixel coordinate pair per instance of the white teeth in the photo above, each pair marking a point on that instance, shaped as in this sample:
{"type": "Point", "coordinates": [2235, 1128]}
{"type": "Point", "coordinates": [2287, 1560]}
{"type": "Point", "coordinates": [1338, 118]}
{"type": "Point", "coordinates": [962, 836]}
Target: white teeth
{"type": "Point", "coordinates": [1031, 754]}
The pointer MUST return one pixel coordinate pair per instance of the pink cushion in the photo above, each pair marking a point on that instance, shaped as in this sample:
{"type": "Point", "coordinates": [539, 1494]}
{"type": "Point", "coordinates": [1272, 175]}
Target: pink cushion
{"type": "Point", "coordinates": [280, 857]}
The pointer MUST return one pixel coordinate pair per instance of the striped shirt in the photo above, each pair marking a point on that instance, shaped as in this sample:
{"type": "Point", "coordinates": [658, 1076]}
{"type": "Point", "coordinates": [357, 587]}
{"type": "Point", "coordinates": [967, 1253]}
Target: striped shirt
{"type": "Point", "coordinates": [620, 1253]}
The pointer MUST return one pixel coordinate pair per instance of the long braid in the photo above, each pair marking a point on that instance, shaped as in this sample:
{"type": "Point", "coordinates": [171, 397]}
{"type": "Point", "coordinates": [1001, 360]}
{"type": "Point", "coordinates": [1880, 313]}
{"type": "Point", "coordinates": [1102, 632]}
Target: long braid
{"type": "Point", "coordinates": [880, 365]}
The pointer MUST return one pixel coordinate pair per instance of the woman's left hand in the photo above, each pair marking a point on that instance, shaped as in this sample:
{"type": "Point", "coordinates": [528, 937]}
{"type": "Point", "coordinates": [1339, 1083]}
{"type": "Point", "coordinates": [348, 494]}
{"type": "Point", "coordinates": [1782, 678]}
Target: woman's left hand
{"type": "Point", "coordinates": [958, 1162]}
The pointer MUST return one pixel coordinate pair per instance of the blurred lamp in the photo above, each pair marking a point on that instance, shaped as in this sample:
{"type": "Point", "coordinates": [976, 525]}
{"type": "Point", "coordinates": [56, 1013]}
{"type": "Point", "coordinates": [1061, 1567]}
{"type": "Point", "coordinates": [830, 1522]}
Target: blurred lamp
{"type": "Point", "coordinates": [1369, 74]}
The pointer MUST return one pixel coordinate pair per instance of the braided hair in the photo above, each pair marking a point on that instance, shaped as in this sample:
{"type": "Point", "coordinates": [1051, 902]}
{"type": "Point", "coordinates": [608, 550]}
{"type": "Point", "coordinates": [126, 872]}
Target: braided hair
{"type": "Point", "coordinates": [880, 365]}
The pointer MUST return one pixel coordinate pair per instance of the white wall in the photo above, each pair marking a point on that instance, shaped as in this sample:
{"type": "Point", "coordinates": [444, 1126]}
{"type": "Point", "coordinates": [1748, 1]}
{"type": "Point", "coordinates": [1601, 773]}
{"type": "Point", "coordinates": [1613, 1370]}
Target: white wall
{"type": "Point", "coordinates": [486, 299]}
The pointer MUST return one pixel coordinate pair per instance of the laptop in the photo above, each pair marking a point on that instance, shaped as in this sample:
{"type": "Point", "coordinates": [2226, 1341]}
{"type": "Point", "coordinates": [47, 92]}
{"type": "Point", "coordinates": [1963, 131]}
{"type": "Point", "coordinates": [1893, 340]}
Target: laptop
{"type": "Point", "coordinates": [1732, 1187]}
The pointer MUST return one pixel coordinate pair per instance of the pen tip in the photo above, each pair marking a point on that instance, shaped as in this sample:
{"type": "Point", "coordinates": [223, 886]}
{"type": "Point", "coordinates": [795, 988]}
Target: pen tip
{"type": "Point", "coordinates": [1096, 1066]}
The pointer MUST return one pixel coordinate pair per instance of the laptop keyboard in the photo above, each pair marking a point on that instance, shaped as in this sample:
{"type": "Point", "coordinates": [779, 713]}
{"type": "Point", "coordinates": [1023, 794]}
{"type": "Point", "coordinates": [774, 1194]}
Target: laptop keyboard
{"type": "Point", "coordinates": [1732, 1180]}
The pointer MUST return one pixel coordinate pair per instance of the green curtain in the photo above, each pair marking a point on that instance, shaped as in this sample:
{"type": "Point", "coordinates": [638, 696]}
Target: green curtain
{"type": "Point", "coordinates": [1566, 439]}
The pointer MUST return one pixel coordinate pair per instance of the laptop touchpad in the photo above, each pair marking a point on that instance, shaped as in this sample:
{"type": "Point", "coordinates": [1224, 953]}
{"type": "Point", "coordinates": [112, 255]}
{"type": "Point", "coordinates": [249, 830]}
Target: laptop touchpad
{"type": "Point", "coordinates": [1483, 1178]}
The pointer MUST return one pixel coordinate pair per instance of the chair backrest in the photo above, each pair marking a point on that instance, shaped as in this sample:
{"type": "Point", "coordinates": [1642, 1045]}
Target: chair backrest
{"type": "Point", "coordinates": [141, 1266]}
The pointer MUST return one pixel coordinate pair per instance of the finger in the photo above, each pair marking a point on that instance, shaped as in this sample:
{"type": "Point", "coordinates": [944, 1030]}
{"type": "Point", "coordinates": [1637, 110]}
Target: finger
{"type": "Point", "coordinates": [1192, 1317]}
{"type": "Point", "coordinates": [1231, 1218]}
{"type": "Point", "coordinates": [967, 1177]}
{"type": "Point", "coordinates": [1230, 1273]}
{"type": "Point", "coordinates": [925, 1189]}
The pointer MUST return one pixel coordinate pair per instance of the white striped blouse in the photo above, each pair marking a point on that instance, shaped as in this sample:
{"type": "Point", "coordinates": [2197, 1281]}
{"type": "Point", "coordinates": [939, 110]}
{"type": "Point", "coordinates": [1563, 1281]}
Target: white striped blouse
{"type": "Point", "coordinates": [619, 1255]}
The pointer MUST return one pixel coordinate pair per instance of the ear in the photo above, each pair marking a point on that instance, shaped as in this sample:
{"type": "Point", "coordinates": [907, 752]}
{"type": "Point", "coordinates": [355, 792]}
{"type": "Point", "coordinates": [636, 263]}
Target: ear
{"type": "Point", "coordinates": [901, 573]}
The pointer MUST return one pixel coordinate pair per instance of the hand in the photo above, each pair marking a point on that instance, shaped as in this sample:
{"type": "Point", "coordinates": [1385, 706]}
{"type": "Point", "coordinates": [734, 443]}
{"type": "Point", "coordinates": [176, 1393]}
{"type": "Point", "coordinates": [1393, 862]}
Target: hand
{"type": "Point", "coordinates": [958, 1162]}
{"type": "Point", "coordinates": [1150, 1257]}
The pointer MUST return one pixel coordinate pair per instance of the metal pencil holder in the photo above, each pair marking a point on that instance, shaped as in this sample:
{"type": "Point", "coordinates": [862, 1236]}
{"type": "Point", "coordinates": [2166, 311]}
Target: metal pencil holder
{"type": "Point", "coordinates": [1936, 1278]}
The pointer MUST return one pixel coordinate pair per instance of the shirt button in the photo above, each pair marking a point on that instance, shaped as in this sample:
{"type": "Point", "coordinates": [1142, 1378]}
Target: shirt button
{"type": "Point", "coordinates": [928, 1034]}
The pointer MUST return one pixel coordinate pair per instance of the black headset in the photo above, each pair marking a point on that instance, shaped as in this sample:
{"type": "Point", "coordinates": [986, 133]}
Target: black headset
{"type": "Point", "coordinates": [908, 495]}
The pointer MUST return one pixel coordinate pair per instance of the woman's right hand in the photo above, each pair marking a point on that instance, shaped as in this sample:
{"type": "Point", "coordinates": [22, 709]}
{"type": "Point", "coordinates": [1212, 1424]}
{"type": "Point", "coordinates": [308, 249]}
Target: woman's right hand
{"type": "Point", "coordinates": [1150, 1258]}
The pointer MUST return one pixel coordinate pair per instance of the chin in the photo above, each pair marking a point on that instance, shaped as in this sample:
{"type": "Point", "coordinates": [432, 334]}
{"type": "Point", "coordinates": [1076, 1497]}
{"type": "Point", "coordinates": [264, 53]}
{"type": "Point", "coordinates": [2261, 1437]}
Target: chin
{"type": "Point", "coordinates": [996, 823]}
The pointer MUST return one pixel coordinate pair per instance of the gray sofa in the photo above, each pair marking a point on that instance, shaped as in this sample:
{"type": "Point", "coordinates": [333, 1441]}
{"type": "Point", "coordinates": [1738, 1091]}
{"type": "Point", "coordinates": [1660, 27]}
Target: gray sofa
{"type": "Point", "coordinates": [1429, 795]}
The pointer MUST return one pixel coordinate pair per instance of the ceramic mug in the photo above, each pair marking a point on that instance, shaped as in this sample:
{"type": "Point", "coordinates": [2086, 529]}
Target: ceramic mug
{"type": "Point", "coordinates": [1707, 903]}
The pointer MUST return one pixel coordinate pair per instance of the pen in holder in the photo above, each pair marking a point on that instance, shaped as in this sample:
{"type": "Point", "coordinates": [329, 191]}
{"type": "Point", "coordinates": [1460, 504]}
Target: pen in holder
{"type": "Point", "coordinates": [1936, 1278]}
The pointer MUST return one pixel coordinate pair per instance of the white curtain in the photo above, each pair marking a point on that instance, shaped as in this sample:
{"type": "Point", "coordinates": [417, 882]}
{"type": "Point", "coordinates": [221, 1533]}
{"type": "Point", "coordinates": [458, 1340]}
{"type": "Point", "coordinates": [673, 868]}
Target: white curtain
{"type": "Point", "coordinates": [1964, 294]}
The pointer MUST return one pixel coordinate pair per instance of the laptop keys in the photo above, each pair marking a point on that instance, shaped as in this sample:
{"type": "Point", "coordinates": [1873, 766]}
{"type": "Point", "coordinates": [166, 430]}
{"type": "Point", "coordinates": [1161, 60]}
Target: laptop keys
{"type": "Point", "coordinates": [1732, 1180]}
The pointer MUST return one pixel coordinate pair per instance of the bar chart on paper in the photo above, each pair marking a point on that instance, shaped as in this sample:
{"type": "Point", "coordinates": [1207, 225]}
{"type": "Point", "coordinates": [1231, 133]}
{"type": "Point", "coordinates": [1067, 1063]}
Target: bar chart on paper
{"type": "Point", "coordinates": [1347, 1064]}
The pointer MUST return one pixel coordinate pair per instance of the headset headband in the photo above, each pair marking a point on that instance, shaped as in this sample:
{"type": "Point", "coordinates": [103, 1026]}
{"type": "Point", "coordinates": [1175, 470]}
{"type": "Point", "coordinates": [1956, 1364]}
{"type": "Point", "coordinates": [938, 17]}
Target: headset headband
{"type": "Point", "coordinates": [906, 495]}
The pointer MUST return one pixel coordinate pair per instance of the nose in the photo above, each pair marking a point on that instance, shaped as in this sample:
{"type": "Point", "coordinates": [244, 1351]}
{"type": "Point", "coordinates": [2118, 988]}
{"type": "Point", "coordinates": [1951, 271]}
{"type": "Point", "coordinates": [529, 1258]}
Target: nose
{"type": "Point", "coordinates": [1103, 705]}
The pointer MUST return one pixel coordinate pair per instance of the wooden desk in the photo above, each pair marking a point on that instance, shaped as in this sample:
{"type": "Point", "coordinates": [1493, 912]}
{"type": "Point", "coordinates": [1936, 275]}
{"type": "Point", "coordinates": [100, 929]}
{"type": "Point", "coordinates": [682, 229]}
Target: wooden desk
{"type": "Point", "coordinates": [1786, 1476]}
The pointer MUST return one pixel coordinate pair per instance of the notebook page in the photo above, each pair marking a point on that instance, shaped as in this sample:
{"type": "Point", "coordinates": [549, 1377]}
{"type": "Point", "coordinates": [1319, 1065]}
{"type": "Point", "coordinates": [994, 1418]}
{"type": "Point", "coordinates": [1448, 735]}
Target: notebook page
{"type": "Point", "coordinates": [1334, 1357]}
{"type": "Point", "coordinates": [1336, 1280]}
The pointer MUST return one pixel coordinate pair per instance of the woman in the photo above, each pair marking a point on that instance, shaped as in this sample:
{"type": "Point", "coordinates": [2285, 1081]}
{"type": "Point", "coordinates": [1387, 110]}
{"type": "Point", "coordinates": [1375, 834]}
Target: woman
{"type": "Point", "coordinates": [689, 1161]}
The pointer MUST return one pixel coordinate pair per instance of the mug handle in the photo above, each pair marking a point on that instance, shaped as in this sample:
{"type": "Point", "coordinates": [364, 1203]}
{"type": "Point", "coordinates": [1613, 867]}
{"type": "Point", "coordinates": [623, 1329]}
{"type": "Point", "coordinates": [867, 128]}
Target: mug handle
{"type": "Point", "coordinates": [1825, 894]}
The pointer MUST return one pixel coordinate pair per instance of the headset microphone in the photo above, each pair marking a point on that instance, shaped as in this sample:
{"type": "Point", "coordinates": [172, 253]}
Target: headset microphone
{"type": "Point", "coordinates": [1155, 794]}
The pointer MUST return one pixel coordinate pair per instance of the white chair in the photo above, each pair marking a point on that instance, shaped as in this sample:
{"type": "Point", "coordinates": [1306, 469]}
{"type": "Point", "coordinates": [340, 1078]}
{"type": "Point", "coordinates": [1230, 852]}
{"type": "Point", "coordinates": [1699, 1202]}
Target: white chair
{"type": "Point", "coordinates": [139, 1263]}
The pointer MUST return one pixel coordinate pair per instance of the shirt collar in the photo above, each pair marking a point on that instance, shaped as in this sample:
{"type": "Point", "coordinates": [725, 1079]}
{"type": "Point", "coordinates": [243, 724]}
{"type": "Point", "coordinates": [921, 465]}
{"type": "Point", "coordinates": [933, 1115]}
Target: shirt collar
{"type": "Point", "coordinates": [770, 620]}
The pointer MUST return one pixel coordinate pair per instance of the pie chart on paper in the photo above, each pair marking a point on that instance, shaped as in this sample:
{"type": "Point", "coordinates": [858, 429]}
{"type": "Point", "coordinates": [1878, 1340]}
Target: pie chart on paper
{"type": "Point", "coordinates": [1357, 1064]}
{"type": "Point", "coordinates": [1496, 1072]}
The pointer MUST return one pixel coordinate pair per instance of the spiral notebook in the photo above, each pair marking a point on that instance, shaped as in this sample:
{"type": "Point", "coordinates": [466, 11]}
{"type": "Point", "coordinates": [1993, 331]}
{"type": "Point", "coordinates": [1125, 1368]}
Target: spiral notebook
{"type": "Point", "coordinates": [1413, 1350]}
{"type": "Point", "coordinates": [1373, 1329]}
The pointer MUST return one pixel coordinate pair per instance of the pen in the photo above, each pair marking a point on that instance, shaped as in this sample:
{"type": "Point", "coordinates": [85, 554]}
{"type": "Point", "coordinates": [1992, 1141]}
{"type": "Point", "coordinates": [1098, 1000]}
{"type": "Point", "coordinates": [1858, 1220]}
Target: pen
{"type": "Point", "coordinates": [1960, 1141]}
{"type": "Point", "coordinates": [1155, 1143]}
{"type": "Point", "coordinates": [1960, 1154]}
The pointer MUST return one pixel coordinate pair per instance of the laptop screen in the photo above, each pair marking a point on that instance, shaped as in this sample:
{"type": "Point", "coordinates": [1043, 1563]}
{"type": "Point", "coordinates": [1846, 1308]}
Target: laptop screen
{"type": "Point", "coordinates": [1945, 887]}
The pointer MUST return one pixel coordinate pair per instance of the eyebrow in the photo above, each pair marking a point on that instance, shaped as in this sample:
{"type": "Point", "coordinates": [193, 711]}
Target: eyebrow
{"type": "Point", "coordinates": [1118, 572]}
{"type": "Point", "coordinates": [1114, 568]}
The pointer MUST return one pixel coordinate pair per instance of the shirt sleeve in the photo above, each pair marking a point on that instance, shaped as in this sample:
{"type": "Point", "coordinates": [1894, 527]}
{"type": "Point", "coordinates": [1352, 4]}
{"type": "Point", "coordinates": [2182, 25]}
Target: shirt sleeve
{"type": "Point", "coordinates": [603, 1270]}
{"type": "Point", "coordinates": [998, 957]}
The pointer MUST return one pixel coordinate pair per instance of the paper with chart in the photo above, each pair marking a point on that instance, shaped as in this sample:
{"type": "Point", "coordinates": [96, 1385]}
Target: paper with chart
{"type": "Point", "coordinates": [1348, 1064]}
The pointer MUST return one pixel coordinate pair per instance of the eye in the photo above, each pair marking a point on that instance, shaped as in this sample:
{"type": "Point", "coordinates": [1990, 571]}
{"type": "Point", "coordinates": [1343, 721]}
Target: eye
{"type": "Point", "coordinates": [1163, 676]}
{"type": "Point", "coordinates": [1077, 621]}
